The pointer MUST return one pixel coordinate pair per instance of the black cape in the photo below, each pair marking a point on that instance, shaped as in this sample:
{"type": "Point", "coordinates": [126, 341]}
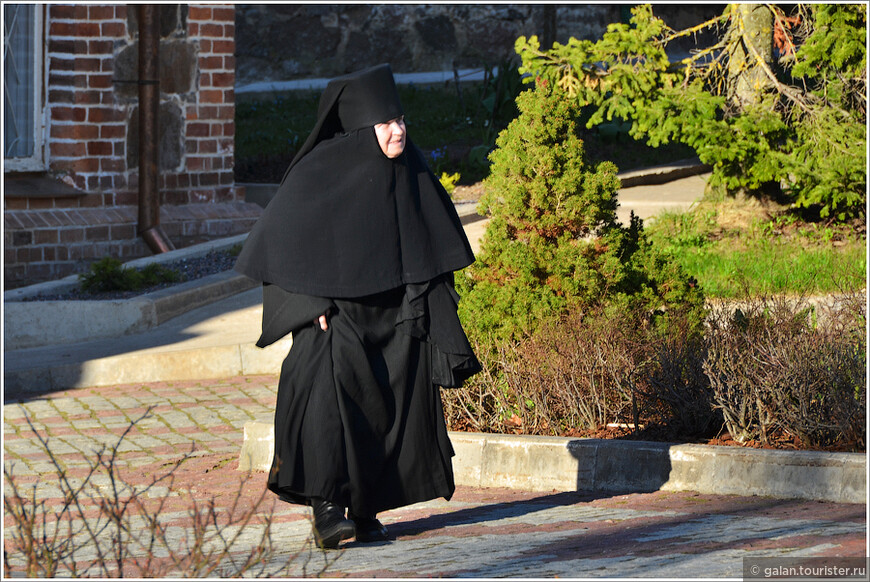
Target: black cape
{"type": "Point", "coordinates": [372, 242]}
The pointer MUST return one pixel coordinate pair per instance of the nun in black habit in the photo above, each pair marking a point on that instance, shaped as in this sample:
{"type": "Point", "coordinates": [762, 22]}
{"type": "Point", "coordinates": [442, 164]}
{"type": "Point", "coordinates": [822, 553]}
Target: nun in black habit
{"type": "Point", "coordinates": [356, 253]}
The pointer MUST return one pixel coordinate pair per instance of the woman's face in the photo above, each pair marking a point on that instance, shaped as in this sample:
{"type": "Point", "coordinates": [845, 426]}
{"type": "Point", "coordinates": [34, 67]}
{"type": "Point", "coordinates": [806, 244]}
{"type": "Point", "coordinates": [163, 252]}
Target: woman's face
{"type": "Point", "coordinates": [391, 137]}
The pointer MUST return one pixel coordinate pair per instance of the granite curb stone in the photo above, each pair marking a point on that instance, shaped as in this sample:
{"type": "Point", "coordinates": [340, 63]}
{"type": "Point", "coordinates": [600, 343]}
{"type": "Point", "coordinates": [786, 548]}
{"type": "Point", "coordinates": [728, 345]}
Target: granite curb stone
{"type": "Point", "coordinates": [546, 463]}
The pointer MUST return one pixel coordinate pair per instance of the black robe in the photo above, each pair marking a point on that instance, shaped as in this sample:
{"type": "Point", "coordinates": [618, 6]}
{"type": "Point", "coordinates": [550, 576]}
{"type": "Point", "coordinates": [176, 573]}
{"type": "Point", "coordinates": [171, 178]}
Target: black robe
{"type": "Point", "coordinates": [372, 243]}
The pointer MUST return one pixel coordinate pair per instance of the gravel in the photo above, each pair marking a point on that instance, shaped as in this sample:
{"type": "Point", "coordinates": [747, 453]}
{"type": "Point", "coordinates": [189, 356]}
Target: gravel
{"type": "Point", "coordinates": [189, 269]}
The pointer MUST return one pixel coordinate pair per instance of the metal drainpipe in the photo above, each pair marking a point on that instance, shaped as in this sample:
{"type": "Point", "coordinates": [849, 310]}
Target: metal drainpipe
{"type": "Point", "coordinates": [149, 101]}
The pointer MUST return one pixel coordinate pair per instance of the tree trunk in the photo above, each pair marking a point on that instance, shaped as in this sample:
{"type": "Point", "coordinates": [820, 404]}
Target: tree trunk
{"type": "Point", "coordinates": [751, 48]}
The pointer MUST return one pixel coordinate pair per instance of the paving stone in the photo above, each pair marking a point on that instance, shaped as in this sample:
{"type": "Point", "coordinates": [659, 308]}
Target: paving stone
{"type": "Point", "coordinates": [480, 533]}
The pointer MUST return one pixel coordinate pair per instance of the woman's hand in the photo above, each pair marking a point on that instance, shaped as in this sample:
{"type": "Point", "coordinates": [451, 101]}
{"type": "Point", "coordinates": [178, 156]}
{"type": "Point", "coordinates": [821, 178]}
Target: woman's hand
{"type": "Point", "coordinates": [322, 322]}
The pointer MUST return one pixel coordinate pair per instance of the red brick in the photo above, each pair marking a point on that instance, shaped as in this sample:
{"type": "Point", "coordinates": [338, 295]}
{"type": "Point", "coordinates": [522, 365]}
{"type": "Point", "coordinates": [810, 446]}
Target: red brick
{"type": "Point", "coordinates": [61, 80]}
{"type": "Point", "coordinates": [211, 63]}
{"type": "Point", "coordinates": [230, 63]}
{"type": "Point", "coordinates": [227, 112]}
{"type": "Point", "coordinates": [92, 200]}
{"type": "Point", "coordinates": [85, 165]}
{"type": "Point", "coordinates": [120, 149]}
{"type": "Point", "coordinates": [88, 64]}
{"type": "Point", "coordinates": [214, 30]}
{"type": "Point", "coordinates": [126, 198]}
{"type": "Point", "coordinates": [97, 12]}
{"type": "Point", "coordinates": [204, 46]}
{"type": "Point", "coordinates": [90, 97]}
{"type": "Point", "coordinates": [108, 131]}
{"type": "Point", "coordinates": [100, 81]}
{"type": "Point", "coordinates": [193, 29]}
{"type": "Point", "coordinates": [191, 146]}
{"type": "Point", "coordinates": [122, 231]}
{"type": "Point", "coordinates": [211, 96]}
{"type": "Point", "coordinates": [207, 111]}
{"type": "Point", "coordinates": [56, 64]}
{"type": "Point", "coordinates": [14, 203]}
{"type": "Point", "coordinates": [199, 13]}
{"type": "Point", "coordinates": [68, 149]}
{"type": "Point", "coordinates": [104, 114]}
{"type": "Point", "coordinates": [67, 46]}
{"type": "Point", "coordinates": [63, 113]}
{"type": "Point", "coordinates": [100, 148]}
{"type": "Point", "coordinates": [64, 28]}
{"type": "Point", "coordinates": [195, 164]}
{"type": "Point", "coordinates": [45, 236]}
{"type": "Point", "coordinates": [100, 47]}
{"type": "Point", "coordinates": [223, 13]}
{"type": "Point", "coordinates": [223, 79]}
{"type": "Point", "coordinates": [207, 146]}
{"type": "Point", "coordinates": [223, 46]}
{"type": "Point", "coordinates": [205, 79]}
{"type": "Point", "coordinates": [210, 179]}
{"type": "Point", "coordinates": [113, 29]}
{"type": "Point", "coordinates": [66, 11]}
{"type": "Point", "coordinates": [97, 232]}
{"type": "Point", "coordinates": [197, 129]}
{"type": "Point", "coordinates": [79, 131]}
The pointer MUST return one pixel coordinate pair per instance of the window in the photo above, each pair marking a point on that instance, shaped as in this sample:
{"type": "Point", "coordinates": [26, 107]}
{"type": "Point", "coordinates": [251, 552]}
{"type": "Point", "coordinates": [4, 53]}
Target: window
{"type": "Point", "coordinates": [23, 87]}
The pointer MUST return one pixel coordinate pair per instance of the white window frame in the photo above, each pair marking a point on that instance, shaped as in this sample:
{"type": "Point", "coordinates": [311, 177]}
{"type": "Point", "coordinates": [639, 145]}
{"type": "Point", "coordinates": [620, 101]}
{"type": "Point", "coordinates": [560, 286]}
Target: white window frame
{"type": "Point", "coordinates": [35, 162]}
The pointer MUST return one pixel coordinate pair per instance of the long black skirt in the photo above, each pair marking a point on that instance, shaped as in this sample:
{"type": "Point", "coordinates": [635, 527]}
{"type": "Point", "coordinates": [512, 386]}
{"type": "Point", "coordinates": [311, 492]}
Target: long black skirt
{"type": "Point", "coordinates": [358, 419]}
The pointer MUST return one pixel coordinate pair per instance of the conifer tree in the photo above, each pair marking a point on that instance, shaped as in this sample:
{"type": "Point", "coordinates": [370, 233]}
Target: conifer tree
{"type": "Point", "coordinates": [553, 240]}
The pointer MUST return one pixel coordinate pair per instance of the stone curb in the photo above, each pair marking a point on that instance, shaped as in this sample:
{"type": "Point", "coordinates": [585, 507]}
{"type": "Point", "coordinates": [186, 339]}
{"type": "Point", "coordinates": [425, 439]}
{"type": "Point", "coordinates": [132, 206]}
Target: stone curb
{"type": "Point", "coordinates": [537, 463]}
{"type": "Point", "coordinates": [28, 324]}
{"type": "Point", "coordinates": [663, 174]}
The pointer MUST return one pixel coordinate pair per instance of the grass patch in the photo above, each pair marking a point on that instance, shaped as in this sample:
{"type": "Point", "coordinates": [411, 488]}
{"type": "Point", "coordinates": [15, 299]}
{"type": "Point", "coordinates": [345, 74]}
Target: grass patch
{"type": "Point", "coordinates": [737, 248]}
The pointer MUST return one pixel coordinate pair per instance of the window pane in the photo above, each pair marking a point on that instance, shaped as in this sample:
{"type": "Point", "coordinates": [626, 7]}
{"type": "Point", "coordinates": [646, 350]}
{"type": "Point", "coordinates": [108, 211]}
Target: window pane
{"type": "Point", "coordinates": [19, 60]}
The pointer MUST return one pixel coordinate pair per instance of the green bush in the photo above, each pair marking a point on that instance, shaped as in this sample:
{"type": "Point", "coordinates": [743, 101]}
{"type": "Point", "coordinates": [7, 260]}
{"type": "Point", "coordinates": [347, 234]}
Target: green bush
{"type": "Point", "coordinates": [801, 130]}
{"type": "Point", "coordinates": [109, 274]}
{"type": "Point", "coordinates": [553, 241]}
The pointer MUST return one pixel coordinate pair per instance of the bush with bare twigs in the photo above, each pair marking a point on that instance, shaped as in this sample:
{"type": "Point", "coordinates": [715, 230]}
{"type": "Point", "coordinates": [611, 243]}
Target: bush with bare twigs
{"type": "Point", "coordinates": [782, 365]}
{"type": "Point", "coordinates": [102, 526]}
{"type": "Point", "coordinates": [772, 367]}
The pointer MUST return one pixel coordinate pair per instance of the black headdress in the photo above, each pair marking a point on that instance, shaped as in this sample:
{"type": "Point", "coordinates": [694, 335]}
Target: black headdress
{"type": "Point", "coordinates": [347, 221]}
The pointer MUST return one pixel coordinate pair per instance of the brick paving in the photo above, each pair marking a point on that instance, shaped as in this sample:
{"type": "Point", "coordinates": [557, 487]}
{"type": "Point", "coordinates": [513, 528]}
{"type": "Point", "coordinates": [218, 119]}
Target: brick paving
{"type": "Point", "coordinates": [180, 456]}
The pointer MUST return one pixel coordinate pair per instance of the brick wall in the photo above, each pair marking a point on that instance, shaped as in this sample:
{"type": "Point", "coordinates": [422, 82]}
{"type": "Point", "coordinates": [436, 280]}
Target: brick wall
{"type": "Point", "coordinates": [92, 140]}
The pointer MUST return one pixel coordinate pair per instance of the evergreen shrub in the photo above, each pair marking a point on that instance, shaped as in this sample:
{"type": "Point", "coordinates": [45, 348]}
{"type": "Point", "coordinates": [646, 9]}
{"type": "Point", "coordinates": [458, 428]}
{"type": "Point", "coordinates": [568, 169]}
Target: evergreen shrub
{"type": "Point", "coordinates": [553, 242]}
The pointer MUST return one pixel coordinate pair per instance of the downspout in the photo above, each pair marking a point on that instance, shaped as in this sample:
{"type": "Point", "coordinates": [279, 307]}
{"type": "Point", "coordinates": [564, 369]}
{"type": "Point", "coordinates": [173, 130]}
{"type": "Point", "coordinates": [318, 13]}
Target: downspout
{"type": "Point", "coordinates": [149, 101]}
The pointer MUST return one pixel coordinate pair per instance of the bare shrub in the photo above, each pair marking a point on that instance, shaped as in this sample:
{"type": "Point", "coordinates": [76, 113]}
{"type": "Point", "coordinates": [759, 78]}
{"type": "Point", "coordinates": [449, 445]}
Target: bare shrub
{"type": "Point", "coordinates": [571, 374]}
{"type": "Point", "coordinates": [105, 527]}
{"type": "Point", "coordinates": [675, 391]}
{"type": "Point", "coordinates": [776, 364]}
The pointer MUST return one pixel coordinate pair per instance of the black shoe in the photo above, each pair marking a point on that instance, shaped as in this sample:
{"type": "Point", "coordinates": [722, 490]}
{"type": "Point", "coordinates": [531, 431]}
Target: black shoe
{"type": "Point", "coordinates": [330, 525]}
{"type": "Point", "coordinates": [369, 529]}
